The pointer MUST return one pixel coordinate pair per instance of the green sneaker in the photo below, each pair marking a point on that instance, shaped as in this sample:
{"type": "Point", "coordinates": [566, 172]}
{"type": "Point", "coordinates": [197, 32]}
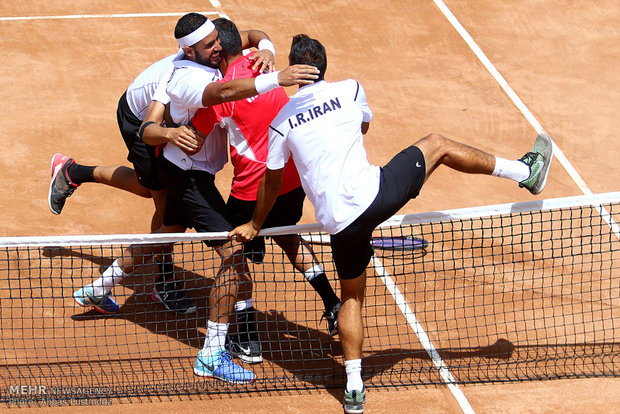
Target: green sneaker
{"type": "Point", "coordinates": [539, 160]}
{"type": "Point", "coordinates": [354, 401]}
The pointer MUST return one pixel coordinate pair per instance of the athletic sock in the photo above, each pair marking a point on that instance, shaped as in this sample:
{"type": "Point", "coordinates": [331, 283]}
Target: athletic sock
{"type": "Point", "coordinates": [246, 321]}
{"type": "Point", "coordinates": [166, 271]}
{"type": "Point", "coordinates": [216, 338]}
{"type": "Point", "coordinates": [353, 368]}
{"type": "Point", "coordinates": [321, 285]}
{"type": "Point", "coordinates": [81, 173]}
{"type": "Point", "coordinates": [110, 277]}
{"type": "Point", "coordinates": [244, 304]}
{"type": "Point", "coordinates": [512, 169]}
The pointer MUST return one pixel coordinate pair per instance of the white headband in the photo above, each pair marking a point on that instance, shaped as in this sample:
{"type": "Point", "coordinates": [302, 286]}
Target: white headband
{"type": "Point", "coordinates": [197, 35]}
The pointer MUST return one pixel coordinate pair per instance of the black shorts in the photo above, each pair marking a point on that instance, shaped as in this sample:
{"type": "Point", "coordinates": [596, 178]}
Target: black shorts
{"type": "Point", "coordinates": [401, 180]}
{"type": "Point", "coordinates": [286, 211]}
{"type": "Point", "coordinates": [141, 155]}
{"type": "Point", "coordinates": [193, 200]}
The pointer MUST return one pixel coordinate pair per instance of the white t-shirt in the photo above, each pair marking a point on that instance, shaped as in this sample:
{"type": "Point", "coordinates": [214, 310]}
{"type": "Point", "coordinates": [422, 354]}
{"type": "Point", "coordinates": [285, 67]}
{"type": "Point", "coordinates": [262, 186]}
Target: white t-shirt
{"type": "Point", "coordinates": [321, 128]}
{"type": "Point", "coordinates": [185, 89]}
{"type": "Point", "coordinates": [150, 85]}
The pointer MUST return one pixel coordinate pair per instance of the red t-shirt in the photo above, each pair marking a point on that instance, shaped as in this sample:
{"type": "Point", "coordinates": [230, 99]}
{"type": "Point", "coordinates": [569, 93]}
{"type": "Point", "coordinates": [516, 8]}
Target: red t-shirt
{"type": "Point", "coordinates": [247, 122]}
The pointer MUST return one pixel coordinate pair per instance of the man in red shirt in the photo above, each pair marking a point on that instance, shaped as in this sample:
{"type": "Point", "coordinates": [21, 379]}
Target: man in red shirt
{"type": "Point", "coordinates": [247, 122]}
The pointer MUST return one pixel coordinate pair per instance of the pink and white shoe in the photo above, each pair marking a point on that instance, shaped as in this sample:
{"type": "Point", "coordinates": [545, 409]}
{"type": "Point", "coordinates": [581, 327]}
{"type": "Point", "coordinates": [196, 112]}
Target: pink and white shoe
{"type": "Point", "coordinates": [61, 186]}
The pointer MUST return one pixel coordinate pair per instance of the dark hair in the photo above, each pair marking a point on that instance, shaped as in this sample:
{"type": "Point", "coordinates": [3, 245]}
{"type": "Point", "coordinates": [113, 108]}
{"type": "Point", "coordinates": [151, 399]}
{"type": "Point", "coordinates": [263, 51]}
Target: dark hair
{"type": "Point", "coordinates": [229, 36]}
{"type": "Point", "coordinates": [188, 23]}
{"type": "Point", "coordinates": [308, 51]}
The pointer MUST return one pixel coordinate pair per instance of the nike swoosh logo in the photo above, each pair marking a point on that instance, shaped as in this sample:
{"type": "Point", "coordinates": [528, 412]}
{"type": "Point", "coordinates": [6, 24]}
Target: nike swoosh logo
{"type": "Point", "coordinates": [540, 164]}
{"type": "Point", "coordinates": [245, 350]}
{"type": "Point", "coordinates": [210, 367]}
{"type": "Point", "coordinates": [537, 166]}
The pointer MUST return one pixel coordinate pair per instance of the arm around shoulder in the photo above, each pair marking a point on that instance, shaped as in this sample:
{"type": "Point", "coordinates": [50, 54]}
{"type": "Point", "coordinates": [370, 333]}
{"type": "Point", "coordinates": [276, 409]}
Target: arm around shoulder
{"type": "Point", "coordinates": [216, 93]}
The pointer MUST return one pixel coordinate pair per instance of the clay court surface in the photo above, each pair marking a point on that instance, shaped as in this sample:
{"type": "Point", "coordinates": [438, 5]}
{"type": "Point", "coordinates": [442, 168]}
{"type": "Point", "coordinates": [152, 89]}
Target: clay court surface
{"type": "Point", "coordinates": [61, 79]}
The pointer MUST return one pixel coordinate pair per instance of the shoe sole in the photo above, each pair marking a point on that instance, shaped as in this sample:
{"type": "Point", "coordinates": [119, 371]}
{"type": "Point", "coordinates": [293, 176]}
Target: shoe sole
{"type": "Point", "coordinates": [352, 410]}
{"type": "Point", "coordinates": [208, 375]}
{"type": "Point", "coordinates": [247, 359]}
{"type": "Point", "coordinates": [155, 296]}
{"type": "Point", "coordinates": [95, 307]}
{"type": "Point", "coordinates": [545, 170]}
{"type": "Point", "coordinates": [82, 304]}
{"type": "Point", "coordinates": [55, 172]}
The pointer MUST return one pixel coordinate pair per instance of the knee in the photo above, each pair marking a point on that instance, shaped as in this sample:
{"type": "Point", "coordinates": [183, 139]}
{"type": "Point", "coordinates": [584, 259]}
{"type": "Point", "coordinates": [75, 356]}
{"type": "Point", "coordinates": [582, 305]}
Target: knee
{"type": "Point", "coordinates": [436, 140]}
{"type": "Point", "coordinates": [353, 288]}
{"type": "Point", "coordinates": [434, 147]}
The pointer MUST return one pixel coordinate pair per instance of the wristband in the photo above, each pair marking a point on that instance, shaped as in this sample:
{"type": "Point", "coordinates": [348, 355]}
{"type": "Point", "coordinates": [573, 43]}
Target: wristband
{"type": "Point", "coordinates": [266, 44]}
{"type": "Point", "coordinates": [143, 127]}
{"type": "Point", "coordinates": [266, 82]}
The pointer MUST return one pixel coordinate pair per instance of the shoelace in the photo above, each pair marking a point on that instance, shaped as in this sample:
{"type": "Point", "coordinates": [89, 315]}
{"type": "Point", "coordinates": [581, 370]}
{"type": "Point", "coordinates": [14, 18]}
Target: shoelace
{"type": "Point", "coordinates": [68, 191]}
{"type": "Point", "coordinates": [328, 315]}
{"type": "Point", "coordinates": [529, 158]}
{"type": "Point", "coordinates": [226, 357]}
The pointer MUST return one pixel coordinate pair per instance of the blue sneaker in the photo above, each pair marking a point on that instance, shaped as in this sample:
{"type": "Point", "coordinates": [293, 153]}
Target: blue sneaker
{"type": "Point", "coordinates": [221, 366]}
{"type": "Point", "coordinates": [86, 297]}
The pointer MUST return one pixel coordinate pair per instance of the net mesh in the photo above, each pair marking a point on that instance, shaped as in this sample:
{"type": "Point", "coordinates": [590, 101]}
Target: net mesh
{"type": "Point", "coordinates": [501, 293]}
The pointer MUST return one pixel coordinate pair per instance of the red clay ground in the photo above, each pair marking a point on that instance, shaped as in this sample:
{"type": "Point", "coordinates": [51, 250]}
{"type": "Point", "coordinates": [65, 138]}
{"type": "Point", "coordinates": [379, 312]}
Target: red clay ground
{"type": "Point", "coordinates": [61, 80]}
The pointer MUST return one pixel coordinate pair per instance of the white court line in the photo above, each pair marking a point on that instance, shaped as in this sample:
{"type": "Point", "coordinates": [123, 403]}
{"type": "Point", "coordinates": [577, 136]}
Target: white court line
{"type": "Point", "coordinates": [422, 336]}
{"type": "Point", "coordinates": [102, 16]}
{"type": "Point", "coordinates": [521, 106]}
{"type": "Point", "coordinates": [511, 94]}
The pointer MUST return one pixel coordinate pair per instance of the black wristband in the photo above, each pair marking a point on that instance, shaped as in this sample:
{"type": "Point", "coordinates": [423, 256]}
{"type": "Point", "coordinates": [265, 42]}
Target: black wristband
{"type": "Point", "coordinates": [143, 127]}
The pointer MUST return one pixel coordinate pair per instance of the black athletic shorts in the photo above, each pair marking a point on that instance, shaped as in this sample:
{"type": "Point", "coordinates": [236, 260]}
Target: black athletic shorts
{"type": "Point", "coordinates": [286, 211]}
{"type": "Point", "coordinates": [193, 200]}
{"type": "Point", "coordinates": [141, 155]}
{"type": "Point", "coordinates": [401, 180]}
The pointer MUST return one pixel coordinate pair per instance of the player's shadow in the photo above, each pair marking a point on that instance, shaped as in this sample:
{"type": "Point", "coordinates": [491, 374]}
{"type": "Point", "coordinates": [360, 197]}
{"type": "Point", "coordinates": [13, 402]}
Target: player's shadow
{"type": "Point", "coordinates": [386, 361]}
{"type": "Point", "coordinates": [311, 356]}
{"type": "Point", "coordinates": [59, 252]}
{"type": "Point", "coordinates": [291, 350]}
{"type": "Point", "coordinates": [140, 308]}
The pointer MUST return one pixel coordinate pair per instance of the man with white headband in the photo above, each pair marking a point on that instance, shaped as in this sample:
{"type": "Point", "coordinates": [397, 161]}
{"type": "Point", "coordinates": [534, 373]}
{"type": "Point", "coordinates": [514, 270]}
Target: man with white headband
{"type": "Point", "coordinates": [147, 93]}
{"type": "Point", "coordinates": [188, 172]}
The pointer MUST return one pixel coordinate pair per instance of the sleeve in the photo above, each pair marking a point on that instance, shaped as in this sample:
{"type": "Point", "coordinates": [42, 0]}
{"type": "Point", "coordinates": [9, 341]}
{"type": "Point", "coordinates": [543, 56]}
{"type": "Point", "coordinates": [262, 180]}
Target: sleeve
{"type": "Point", "coordinates": [160, 94]}
{"type": "Point", "coordinates": [360, 100]}
{"type": "Point", "coordinates": [279, 152]}
{"type": "Point", "coordinates": [186, 89]}
{"type": "Point", "coordinates": [206, 119]}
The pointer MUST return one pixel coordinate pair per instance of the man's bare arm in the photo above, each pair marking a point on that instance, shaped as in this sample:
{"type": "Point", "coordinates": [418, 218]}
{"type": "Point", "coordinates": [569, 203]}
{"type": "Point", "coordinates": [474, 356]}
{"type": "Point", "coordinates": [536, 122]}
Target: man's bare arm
{"type": "Point", "coordinates": [216, 93]}
{"type": "Point", "coordinates": [153, 133]}
{"type": "Point", "coordinates": [267, 193]}
{"type": "Point", "coordinates": [264, 59]}
{"type": "Point", "coordinates": [251, 38]}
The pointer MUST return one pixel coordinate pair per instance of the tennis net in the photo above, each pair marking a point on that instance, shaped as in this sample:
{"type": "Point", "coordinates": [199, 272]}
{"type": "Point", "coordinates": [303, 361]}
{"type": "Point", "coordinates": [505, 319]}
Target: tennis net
{"type": "Point", "coordinates": [499, 293]}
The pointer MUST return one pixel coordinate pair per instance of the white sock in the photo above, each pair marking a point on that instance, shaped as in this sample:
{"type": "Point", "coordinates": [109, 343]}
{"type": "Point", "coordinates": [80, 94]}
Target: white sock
{"type": "Point", "coordinates": [512, 169]}
{"type": "Point", "coordinates": [244, 304]}
{"type": "Point", "coordinates": [216, 338]}
{"type": "Point", "coordinates": [353, 368]}
{"type": "Point", "coordinates": [313, 272]}
{"type": "Point", "coordinates": [112, 276]}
